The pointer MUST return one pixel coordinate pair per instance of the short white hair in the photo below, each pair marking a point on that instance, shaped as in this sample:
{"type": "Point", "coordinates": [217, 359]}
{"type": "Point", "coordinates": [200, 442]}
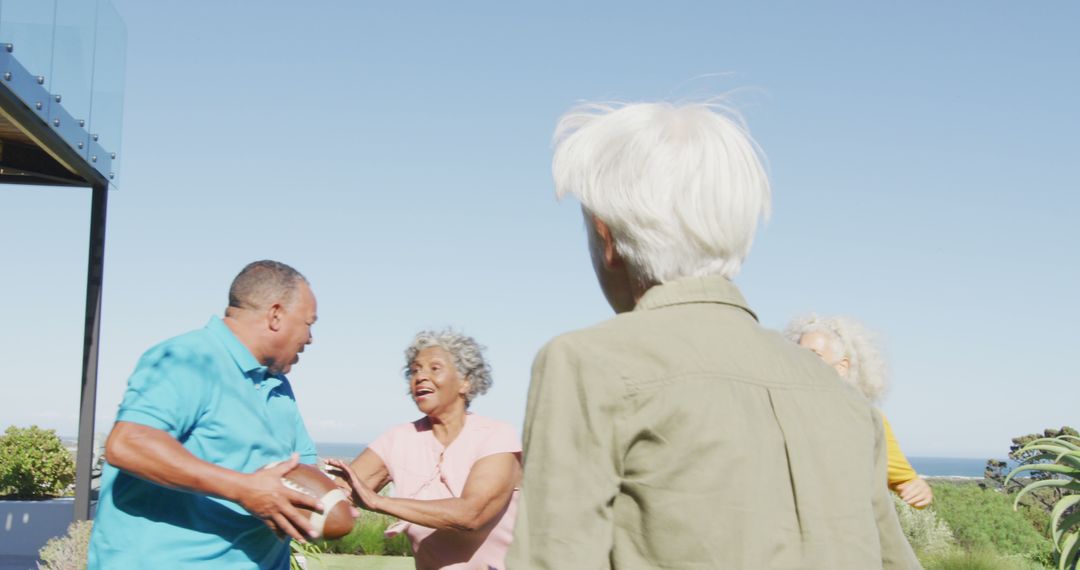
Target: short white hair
{"type": "Point", "coordinates": [681, 187]}
{"type": "Point", "coordinates": [849, 339]}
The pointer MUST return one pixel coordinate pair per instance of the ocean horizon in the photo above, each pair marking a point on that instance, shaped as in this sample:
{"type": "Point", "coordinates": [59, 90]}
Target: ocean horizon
{"type": "Point", "coordinates": [971, 467]}
{"type": "Point", "coordinates": [949, 466]}
{"type": "Point", "coordinates": [925, 466]}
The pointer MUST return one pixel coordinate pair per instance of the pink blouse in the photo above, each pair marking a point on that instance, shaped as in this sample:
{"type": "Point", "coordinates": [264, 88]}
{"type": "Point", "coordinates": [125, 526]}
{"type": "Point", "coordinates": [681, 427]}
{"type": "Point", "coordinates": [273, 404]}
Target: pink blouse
{"type": "Point", "coordinates": [422, 468]}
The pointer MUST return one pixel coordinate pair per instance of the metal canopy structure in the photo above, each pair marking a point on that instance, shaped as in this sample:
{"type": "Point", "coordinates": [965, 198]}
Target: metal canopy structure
{"type": "Point", "coordinates": [61, 100]}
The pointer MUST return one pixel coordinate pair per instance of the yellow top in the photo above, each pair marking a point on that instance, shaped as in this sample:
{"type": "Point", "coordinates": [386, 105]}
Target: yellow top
{"type": "Point", "coordinates": [900, 471]}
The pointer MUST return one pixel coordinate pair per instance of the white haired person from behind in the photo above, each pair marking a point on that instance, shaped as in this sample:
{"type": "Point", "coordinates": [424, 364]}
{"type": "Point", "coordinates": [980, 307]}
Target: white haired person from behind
{"type": "Point", "coordinates": [846, 345]}
{"type": "Point", "coordinates": [681, 433]}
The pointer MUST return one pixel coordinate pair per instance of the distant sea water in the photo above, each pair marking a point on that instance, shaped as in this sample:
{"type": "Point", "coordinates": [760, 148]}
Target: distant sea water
{"type": "Point", "coordinates": [949, 466]}
{"type": "Point", "coordinates": [928, 466]}
{"type": "Point", "coordinates": [339, 450]}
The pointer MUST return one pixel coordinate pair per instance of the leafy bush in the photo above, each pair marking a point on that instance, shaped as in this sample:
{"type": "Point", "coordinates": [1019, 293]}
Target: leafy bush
{"type": "Point", "coordinates": [927, 533]}
{"type": "Point", "coordinates": [982, 520]}
{"type": "Point", "coordinates": [34, 463]}
{"type": "Point", "coordinates": [67, 552]}
{"type": "Point", "coordinates": [399, 546]}
{"type": "Point", "coordinates": [980, 559]}
{"type": "Point", "coordinates": [368, 534]}
{"type": "Point", "coordinates": [1058, 460]}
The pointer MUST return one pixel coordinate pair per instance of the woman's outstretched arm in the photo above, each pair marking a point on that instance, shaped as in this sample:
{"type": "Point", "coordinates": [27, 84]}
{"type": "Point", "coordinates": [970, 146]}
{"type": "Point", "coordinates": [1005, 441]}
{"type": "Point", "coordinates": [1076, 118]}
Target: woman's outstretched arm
{"type": "Point", "coordinates": [487, 491]}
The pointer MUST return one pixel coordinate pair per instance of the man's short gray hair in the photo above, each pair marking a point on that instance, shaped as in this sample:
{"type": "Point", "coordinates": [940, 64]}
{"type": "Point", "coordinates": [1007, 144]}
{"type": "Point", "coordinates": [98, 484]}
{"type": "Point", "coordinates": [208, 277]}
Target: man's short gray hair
{"type": "Point", "coordinates": [681, 187]}
{"type": "Point", "coordinates": [848, 339]}
{"type": "Point", "coordinates": [468, 358]}
{"type": "Point", "coordinates": [263, 283]}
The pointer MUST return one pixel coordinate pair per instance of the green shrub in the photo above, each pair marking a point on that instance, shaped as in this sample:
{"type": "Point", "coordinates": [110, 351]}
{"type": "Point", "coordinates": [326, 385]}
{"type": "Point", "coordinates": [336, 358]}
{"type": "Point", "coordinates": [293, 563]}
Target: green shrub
{"type": "Point", "coordinates": [927, 533]}
{"type": "Point", "coordinates": [34, 463]}
{"type": "Point", "coordinates": [371, 539]}
{"type": "Point", "coordinates": [983, 520]}
{"type": "Point", "coordinates": [399, 545]}
{"type": "Point", "coordinates": [67, 552]}
{"type": "Point", "coordinates": [367, 537]}
{"type": "Point", "coordinates": [980, 559]}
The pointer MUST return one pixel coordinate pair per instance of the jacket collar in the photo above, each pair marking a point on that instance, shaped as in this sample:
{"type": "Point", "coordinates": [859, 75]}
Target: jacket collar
{"type": "Point", "coordinates": [708, 289]}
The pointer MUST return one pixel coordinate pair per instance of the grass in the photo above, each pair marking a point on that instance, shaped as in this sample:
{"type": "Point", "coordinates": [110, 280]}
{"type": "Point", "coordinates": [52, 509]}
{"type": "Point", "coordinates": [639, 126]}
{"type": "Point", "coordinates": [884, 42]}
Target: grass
{"type": "Point", "coordinates": [968, 528]}
{"type": "Point", "coordinates": [978, 560]}
{"type": "Point", "coordinates": [350, 562]}
{"type": "Point", "coordinates": [367, 538]}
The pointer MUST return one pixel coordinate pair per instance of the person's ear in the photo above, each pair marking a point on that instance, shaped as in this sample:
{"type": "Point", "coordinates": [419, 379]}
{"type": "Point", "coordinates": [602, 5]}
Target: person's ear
{"type": "Point", "coordinates": [275, 316]}
{"type": "Point", "coordinates": [843, 367]}
{"type": "Point", "coordinates": [611, 256]}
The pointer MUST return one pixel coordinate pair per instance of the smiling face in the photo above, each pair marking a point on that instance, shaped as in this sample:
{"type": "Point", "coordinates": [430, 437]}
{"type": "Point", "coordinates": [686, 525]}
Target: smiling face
{"type": "Point", "coordinates": [291, 326]}
{"type": "Point", "coordinates": [435, 383]}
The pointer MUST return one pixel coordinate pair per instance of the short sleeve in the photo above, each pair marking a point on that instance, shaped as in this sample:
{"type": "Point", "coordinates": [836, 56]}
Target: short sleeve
{"type": "Point", "coordinates": [168, 391]}
{"type": "Point", "coordinates": [900, 469]}
{"type": "Point", "coordinates": [383, 446]}
{"type": "Point", "coordinates": [502, 439]}
{"type": "Point", "coordinates": [304, 445]}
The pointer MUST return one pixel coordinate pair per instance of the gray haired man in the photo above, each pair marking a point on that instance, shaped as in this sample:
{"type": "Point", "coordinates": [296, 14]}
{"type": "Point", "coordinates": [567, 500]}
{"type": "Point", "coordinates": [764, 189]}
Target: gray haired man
{"type": "Point", "coordinates": [680, 433]}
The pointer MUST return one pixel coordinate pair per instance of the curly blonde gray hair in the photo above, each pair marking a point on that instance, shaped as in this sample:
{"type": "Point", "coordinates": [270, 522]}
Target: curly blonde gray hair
{"type": "Point", "coordinates": [848, 339]}
{"type": "Point", "coordinates": [468, 358]}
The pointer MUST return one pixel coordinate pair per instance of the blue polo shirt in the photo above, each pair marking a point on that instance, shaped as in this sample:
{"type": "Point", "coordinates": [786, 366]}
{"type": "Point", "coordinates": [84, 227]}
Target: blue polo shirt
{"type": "Point", "coordinates": [205, 389]}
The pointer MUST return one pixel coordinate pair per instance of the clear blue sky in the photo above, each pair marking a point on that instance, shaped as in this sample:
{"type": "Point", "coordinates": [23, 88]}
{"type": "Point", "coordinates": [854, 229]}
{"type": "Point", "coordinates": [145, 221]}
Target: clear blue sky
{"type": "Point", "coordinates": [924, 157]}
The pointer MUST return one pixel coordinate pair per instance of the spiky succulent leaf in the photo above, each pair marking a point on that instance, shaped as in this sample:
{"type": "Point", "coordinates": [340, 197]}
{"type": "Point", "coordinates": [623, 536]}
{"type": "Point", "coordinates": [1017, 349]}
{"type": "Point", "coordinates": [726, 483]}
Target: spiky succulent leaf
{"type": "Point", "coordinates": [1070, 552]}
{"type": "Point", "coordinates": [1061, 483]}
{"type": "Point", "coordinates": [1047, 467]}
{"type": "Point", "coordinates": [1059, 441]}
{"type": "Point", "coordinates": [1061, 528]}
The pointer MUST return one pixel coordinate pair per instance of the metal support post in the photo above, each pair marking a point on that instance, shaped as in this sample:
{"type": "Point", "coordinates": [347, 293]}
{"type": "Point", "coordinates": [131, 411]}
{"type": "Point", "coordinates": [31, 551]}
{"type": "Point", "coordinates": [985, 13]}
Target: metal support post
{"type": "Point", "coordinates": [92, 336]}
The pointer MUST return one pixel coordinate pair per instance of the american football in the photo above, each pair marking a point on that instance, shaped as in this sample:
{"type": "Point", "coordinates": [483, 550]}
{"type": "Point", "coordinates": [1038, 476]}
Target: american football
{"type": "Point", "coordinates": [335, 521]}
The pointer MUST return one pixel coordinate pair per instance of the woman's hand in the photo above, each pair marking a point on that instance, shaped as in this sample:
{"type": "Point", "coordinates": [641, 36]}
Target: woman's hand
{"type": "Point", "coordinates": [362, 495]}
{"type": "Point", "coordinates": [916, 492]}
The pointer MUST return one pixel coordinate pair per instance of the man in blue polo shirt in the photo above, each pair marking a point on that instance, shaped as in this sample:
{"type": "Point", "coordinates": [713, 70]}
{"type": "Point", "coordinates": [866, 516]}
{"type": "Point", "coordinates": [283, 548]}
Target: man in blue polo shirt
{"type": "Point", "coordinates": [203, 414]}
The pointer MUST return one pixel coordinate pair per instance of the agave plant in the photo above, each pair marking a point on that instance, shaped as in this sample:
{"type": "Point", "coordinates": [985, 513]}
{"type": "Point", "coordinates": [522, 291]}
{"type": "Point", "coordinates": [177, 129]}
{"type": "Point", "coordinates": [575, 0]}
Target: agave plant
{"type": "Point", "coordinates": [1059, 456]}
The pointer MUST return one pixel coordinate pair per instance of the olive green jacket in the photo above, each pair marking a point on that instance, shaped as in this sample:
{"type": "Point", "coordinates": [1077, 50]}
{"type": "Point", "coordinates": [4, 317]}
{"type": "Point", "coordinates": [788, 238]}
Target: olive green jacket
{"type": "Point", "coordinates": [684, 435]}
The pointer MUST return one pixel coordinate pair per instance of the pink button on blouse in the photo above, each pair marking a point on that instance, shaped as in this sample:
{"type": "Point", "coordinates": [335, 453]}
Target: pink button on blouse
{"type": "Point", "coordinates": [422, 468]}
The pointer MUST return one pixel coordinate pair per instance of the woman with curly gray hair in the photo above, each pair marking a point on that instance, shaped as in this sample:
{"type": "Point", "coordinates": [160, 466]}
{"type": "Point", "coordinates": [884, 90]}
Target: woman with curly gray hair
{"type": "Point", "coordinates": [846, 345]}
{"type": "Point", "coordinates": [455, 473]}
